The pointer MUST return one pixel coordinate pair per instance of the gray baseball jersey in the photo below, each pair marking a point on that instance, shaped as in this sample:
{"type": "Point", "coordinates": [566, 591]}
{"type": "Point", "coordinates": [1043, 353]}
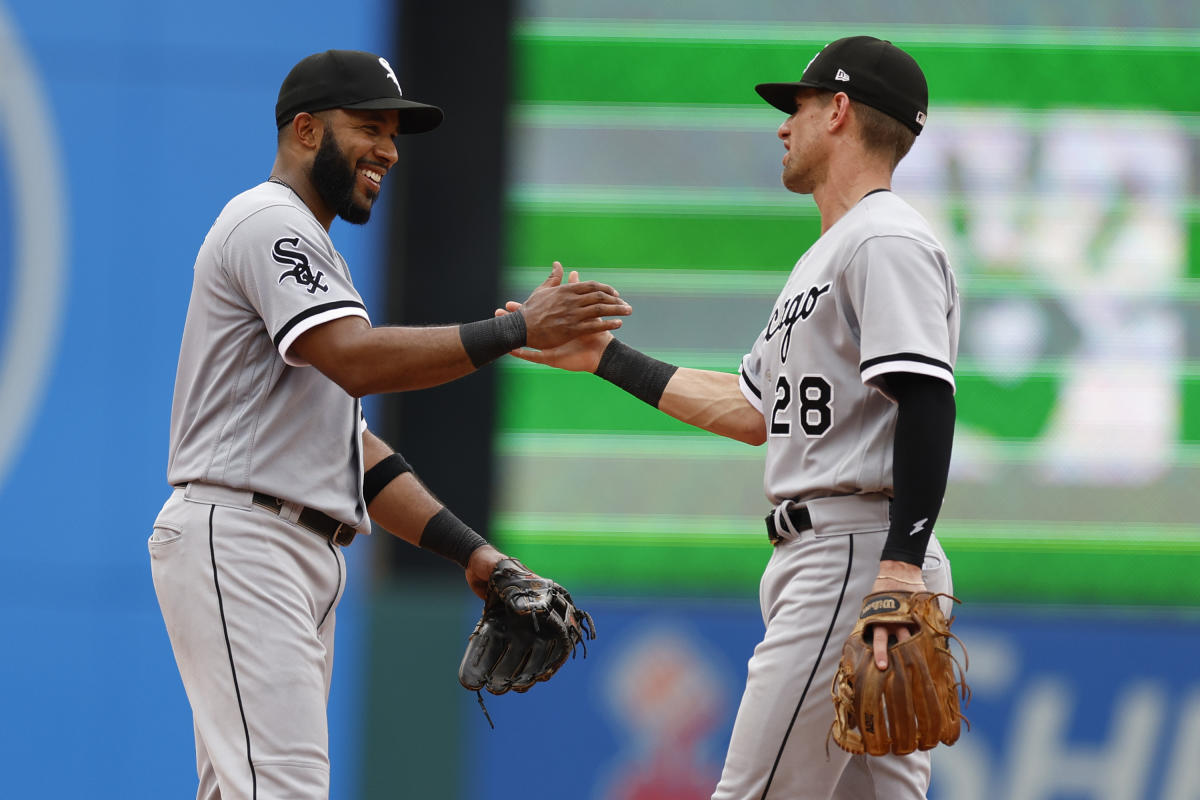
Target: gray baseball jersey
{"type": "Point", "coordinates": [875, 294]}
{"type": "Point", "coordinates": [245, 409]}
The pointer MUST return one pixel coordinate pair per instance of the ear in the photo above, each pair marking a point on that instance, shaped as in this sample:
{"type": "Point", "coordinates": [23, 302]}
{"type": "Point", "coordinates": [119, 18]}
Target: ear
{"type": "Point", "coordinates": [839, 112]}
{"type": "Point", "coordinates": [308, 130]}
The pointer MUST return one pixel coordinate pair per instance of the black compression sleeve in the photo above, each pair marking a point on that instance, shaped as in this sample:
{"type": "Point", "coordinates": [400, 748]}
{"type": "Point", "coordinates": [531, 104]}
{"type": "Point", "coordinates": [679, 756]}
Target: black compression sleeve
{"type": "Point", "coordinates": [488, 339]}
{"type": "Point", "coordinates": [920, 462]}
{"type": "Point", "coordinates": [643, 377]}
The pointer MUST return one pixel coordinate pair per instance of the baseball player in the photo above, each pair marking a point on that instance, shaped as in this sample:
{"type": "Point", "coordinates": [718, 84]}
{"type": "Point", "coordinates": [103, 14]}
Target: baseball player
{"type": "Point", "coordinates": [851, 387]}
{"type": "Point", "coordinates": [273, 466]}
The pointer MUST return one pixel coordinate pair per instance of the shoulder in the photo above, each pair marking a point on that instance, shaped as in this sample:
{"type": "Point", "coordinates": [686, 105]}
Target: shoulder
{"type": "Point", "coordinates": [886, 214]}
{"type": "Point", "coordinates": [884, 226]}
{"type": "Point", "coordinates": [265, 214]}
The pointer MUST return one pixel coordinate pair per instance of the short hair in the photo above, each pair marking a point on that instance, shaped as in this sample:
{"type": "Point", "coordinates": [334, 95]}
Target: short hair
{"type": "Point", "coordinates": [883, 133]}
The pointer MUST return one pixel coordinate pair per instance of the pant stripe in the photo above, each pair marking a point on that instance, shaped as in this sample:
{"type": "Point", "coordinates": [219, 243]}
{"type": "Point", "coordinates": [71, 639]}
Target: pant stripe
{"type": "Point", "coordinates": [816, 664]}
{"type": "Point", "coordinates": [337, 564]}
{"type": "Point", "coordinates": [229, 648]}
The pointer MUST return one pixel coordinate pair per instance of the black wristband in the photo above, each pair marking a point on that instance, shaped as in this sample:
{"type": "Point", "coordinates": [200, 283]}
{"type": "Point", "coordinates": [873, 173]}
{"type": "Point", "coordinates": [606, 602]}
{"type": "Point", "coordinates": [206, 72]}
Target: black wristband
{"type": "Point", "coordinates": [643, 377]}
{"type": "Point", "coordinates": [382, 474]}
{"type": "Point", "coordinates": [450, 537]}
{"type": "Point", "coordinates": [488, 339]}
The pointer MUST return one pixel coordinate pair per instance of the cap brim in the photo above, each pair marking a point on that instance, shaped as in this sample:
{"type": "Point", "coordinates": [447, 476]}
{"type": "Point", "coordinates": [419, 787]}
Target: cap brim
{"type": "Point", "coordinates": [783, 95]}
{"type": "Point", "coordinates": [414, 117]}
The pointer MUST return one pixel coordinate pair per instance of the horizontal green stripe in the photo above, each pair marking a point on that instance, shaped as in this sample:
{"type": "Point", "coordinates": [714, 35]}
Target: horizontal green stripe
{"type": "Point", "coordinates": [681, 283]}
{"type": "Point", "coordinates": [591, 199]}
{"type": "Point", "coordinates": [749, 32]}
{"type": "Point", "coordinates": [1112, 568]}
{"type": "Point", "coordinates": [703, 69]}
{"type": "Point", "coordinates": [662, 239]}
{"type": "Point", "coordinates": [747, 119]}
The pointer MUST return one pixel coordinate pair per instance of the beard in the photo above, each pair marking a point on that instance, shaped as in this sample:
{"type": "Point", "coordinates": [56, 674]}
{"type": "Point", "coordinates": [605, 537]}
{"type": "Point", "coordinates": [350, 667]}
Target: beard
{"type": "Point", "coordinates": [334, 179]}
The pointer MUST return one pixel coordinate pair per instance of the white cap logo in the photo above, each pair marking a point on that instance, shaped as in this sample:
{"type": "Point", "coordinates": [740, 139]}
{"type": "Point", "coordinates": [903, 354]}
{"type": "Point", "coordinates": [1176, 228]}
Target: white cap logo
{"type": "Point", "coordinates": [921, 118]}
{"type": "Point", "coordinates": [391, 74]}
{"type": "Point", "coordinates": [841, 76]}
{"type": "Point", "coordinates": [814, 58]}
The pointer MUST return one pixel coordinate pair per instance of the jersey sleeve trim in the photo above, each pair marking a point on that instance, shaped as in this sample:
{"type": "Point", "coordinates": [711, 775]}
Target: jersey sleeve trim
{"type": "Point", "coordinates": [750, 392]}
{"type": "Point", "coordinates": [748, 384]}
{"type": "Point", "coordinates": [906, 362]}
{"type": "Point", "coordinates": [311, 317]}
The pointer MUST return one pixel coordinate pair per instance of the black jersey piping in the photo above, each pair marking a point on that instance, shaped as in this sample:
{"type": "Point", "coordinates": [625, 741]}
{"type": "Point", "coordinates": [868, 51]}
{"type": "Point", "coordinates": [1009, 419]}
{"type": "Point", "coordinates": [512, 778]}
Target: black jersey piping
{"type": "Point", "coordinates": [312, 311]}
{"type": "Point", "coordinates": [229, 649]}
{"type": "Point", "coordinates": [339, 583]}
{"type": "Point", "coordinates": [817, 663]}
{"type": "Point", "coordinates": [920, 359]}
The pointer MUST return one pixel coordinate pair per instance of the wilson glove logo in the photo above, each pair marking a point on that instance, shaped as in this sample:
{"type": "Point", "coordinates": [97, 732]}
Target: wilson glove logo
{"type": "Point", "coordinates": [300, 270]}
{"type": "Point", "coordinates": [882, 605]}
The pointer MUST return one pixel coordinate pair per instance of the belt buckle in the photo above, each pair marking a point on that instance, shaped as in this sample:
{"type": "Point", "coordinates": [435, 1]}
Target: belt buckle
{"type": "Point", "coordinates": [342, 535]}
{"type": "Point", "coordinates": [772, 531]}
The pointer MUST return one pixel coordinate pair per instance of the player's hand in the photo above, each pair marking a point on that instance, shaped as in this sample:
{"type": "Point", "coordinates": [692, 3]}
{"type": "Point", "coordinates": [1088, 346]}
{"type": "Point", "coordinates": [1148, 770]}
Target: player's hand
{"type": "Point", "coordinates": [581, 354]}
{"type": "Point", "coordinates": [894, 576]}
{"type": "Point", "coordinates": [557, 312]}
{"type": "Point", "coordinates": [479, 569]}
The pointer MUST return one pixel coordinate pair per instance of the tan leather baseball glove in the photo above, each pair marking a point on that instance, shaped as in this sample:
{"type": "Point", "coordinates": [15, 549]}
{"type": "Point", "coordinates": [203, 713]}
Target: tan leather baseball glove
{"type": "Point", "coordinates": [914, 703]}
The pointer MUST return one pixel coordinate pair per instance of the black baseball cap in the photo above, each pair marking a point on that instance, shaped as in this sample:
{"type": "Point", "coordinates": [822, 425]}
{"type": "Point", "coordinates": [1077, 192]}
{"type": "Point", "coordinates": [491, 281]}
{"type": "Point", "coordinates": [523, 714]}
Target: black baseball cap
{"type": "Point", "coordinates": [872, 71]}
{"type": "Point", "coordinates": [350, 79]}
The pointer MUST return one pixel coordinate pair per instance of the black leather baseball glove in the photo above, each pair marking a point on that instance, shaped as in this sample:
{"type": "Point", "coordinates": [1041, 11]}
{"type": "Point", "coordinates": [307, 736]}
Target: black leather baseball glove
{"type": "Point", "coordinates": [528, 628]}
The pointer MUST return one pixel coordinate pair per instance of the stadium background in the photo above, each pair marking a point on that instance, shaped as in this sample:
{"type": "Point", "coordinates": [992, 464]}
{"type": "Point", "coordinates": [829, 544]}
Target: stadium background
{"type": "Point", "coordinates": [1061, 167]}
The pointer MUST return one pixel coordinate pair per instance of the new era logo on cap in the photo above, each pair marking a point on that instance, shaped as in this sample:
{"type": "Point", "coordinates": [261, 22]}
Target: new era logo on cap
{"type": "Point", "coordinates": [841, 75]}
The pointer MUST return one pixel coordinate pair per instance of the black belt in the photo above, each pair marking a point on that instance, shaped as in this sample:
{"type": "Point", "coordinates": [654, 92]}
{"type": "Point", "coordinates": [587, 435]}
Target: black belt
{"type": "Point", "coordinates": [316, 521]}
{"type": "Point", "coordinates": [799, 517]}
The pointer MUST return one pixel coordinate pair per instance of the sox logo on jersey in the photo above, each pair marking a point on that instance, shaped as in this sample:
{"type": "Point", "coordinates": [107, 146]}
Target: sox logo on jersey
{"type": "Point", "coordinates": [300, 270]}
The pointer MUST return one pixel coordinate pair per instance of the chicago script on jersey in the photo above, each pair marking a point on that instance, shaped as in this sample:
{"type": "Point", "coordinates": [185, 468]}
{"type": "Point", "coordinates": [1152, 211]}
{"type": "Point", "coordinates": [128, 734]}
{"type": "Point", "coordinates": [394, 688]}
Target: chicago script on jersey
{"type": "Point", "coordinates": [797, 307]}
{"type": "Point", "coordinates": [300, 271]}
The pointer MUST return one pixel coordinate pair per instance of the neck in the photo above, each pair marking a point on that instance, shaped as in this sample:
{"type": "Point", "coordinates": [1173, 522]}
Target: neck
{"type": "Point", "coordinates": [847, 181]}
{"type": "Point", "coordinates": [296, 179]}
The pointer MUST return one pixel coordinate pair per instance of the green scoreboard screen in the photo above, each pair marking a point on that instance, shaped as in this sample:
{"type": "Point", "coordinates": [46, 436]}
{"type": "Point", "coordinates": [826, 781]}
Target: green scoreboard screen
{"type": "Point", "coordinates": [1058, 166]}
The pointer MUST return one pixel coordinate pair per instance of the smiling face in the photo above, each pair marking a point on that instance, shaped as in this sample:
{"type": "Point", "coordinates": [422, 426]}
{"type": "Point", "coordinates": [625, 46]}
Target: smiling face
{"type": "Point", "coordinates": [356, 151]}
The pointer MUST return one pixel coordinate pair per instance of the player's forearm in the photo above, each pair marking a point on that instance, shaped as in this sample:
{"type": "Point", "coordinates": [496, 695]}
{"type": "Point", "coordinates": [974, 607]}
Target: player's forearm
{"type": "Point", "coordinates": [365, 360]}
{"type": "Point", "coordinates": [399, 503]}
{"type": "Point", "coordinates": [403, 506]}
{"type": "Point", "coordinates": [705, 399]}
{"type": "Point", "coordinates": [713, 401]}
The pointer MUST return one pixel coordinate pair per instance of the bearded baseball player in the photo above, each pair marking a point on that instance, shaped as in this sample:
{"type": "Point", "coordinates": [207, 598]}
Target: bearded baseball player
{"type": "Point", "coordinates": [851, 387]}
{"type": "Point", "coordinates": [273, 467]}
